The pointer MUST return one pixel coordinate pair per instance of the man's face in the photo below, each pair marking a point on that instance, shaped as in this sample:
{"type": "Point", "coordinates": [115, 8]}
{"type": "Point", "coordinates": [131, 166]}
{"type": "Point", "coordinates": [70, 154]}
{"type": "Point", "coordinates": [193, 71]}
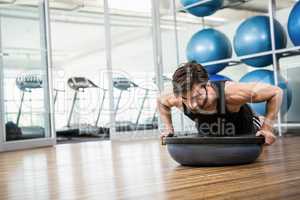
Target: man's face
{"type": "Point", "coordinates": [199, 98]}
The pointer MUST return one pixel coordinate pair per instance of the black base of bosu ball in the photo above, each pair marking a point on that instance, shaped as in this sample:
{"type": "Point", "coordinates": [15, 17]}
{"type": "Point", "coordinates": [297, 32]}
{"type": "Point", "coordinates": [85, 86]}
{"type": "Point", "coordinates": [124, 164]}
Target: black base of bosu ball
{"type": "Point", "coordinates": [214, 151]}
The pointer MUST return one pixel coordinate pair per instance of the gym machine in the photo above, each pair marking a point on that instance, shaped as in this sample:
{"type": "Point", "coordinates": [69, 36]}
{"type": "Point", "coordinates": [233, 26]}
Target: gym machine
{"type": "Point", "coordinates": [124, 84]}
{"type": "Point", "coordinates": [79, 84]}
{"type": "Point", "coordinates": [26, 84]}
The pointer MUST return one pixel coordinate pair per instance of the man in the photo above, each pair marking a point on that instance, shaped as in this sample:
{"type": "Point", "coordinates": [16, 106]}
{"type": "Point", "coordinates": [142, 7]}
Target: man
{"type": "Point", "coordinates": [222, 104]}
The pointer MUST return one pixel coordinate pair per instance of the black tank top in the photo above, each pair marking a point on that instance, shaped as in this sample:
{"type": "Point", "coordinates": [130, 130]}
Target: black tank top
{"type": "Point", "coordinates": [223, 122]}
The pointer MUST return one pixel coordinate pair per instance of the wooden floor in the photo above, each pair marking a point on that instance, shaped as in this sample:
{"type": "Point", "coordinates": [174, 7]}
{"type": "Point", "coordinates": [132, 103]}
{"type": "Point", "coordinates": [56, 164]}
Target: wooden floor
{"type": "Point", "coordinates": [143, 170]}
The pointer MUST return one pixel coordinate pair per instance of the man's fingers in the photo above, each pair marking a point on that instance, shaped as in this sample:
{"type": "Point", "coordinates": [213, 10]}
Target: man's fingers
{"type": "Point", "coordinates": [267, 141]}
{"type": "Point", "coordinates": [162, 136]}
{"type": "Point", "coordinates": [270, 139]}
{"type": "Point", "coordinates": [258, 133]}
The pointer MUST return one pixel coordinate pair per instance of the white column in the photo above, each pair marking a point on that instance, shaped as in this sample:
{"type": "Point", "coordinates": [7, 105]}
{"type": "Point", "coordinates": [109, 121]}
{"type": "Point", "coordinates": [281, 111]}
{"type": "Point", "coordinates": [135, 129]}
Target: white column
{"type": "Point", "coordinates": [157, 48]}
{"type": "Point", "coordinates": [2, 116]}
{"type": "Point", "coordinates": [276, 67]}
{"type": "Point", "coordinates": [108, 49]}
{"type": "Point", "coordinates": [46, 60]}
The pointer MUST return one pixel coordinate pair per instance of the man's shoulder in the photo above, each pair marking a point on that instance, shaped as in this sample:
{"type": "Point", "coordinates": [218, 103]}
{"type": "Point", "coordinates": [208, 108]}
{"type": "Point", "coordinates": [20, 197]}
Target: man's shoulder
{"type": "Point", "coordinates": [168, 97]}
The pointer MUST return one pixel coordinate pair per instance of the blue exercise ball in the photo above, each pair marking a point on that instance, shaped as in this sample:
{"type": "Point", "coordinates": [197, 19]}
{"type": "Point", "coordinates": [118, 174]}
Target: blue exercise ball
{"type": "Point", "coordinates": [253, 36]}
{"type": "Point", "coordinates": [294, 24]}
{"type": "Point", "coordinates": [209, 45]}
{"type": "Point", "coordinates": [218, 77]}
{"type": "Point", "coordinates": [267, 76]}
{"type": "Point", "coordinates": [205, 9]}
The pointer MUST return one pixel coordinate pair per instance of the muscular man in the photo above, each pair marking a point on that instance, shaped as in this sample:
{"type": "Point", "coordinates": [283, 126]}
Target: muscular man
{"type": "Point", "coordinates": [219, 105]}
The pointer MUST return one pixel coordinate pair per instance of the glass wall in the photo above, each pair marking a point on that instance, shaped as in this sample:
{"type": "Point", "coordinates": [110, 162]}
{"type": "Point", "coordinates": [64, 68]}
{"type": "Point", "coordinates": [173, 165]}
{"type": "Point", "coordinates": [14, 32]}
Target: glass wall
{"type": "Point", "coordinates": [134, 90]}
{"type": "Point", "coordinates": [80, 71]}
{"type": "Point", "coordinates": [24, 72]}
{"type": "Point", "coordinates": [289, 70]}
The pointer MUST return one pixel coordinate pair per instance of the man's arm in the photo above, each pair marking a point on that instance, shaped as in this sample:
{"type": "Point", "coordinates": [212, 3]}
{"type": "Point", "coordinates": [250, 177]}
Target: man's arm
{"type": "Point", "coordinates": [241, 93]}
{"type": "Point", "coordinates": [164, 106]}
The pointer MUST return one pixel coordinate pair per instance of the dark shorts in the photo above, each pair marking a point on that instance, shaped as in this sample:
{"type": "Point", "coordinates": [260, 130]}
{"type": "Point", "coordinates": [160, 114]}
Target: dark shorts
{"type": "Point", "coordinates": [257, 123]}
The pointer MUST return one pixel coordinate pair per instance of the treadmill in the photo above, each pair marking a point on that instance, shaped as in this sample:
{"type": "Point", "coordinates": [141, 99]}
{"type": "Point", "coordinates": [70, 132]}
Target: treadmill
{"type": "Point", "coordinates": [124, 84]}
{"type": "Point", "coordinates": [79, 84]}
{"type": "Point", "coordinates": [151, 122]}
{"type": "Point", "coordinates": [26, 84]}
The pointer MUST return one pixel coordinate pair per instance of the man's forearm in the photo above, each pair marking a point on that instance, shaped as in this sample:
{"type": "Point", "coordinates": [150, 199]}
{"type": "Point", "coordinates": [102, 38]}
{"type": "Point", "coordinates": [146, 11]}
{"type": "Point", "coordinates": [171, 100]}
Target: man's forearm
{"type": "Point", "coordinates": [165, 115]}
{"type": "Point", "coordinates": [273, 106]}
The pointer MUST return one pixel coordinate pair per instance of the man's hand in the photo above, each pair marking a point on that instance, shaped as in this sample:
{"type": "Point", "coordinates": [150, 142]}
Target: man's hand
{"type": "Point", "coordinates": [166, 133]}
{"type": "Point", "coordinates": [266, 130]}
{"type": "Point", "coordinates": [269, 136]}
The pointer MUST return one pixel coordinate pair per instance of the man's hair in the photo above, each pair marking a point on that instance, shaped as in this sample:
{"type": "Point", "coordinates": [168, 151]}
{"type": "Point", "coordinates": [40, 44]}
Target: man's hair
{"type": "Point", "coordinates": [186, 76]}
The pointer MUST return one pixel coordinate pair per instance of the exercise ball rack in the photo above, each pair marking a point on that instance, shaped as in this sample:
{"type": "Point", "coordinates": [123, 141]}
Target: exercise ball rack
{"type": "Point", "coordinates": [236, 60]}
